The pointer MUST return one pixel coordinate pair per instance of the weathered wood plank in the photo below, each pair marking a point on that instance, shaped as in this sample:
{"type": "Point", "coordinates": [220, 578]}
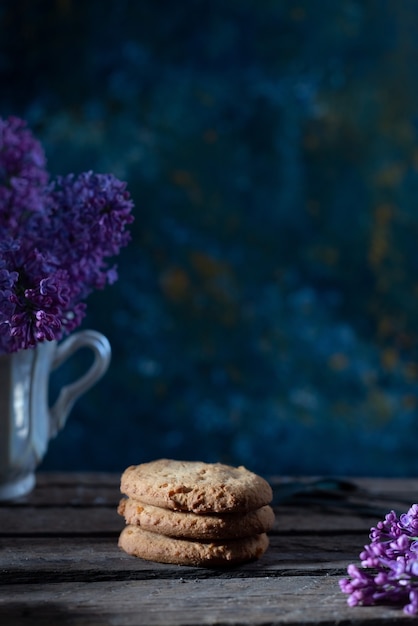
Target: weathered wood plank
{"type": "Point", "coordinates": [341, 511]}
{"type": "Point", "coordinates": [46, 479]}
{"type": "Point", "coordinates": [76, 493]}
{"type": "Point", "coordinates": [79, 487]}
{"type": "Point", "coordinates": [300, 601]}
{"type": "Point", "coordinates": [71, 489]}
{"type": "Point", "coordinates": [27, 560]}
{"type": "Point", "coordinates": [374, 484]}
{"type": "Point", "coordinates": [63, 520]}
{"type": "Point", "coordinates": [86, 519]}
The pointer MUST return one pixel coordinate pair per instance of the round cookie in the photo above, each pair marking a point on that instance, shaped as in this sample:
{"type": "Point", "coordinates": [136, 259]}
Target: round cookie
{"type": "Point", "coordinates": [195, 486]}
{"type": "Point", "coordinates": [193, 526]}
{"type": "Point", "coordinates": [162, 549]}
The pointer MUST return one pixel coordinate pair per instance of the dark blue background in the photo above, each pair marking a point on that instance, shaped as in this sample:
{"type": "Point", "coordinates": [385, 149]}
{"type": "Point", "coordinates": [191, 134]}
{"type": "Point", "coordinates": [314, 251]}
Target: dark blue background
{"type": "Point", "coordinates": [266, 308]}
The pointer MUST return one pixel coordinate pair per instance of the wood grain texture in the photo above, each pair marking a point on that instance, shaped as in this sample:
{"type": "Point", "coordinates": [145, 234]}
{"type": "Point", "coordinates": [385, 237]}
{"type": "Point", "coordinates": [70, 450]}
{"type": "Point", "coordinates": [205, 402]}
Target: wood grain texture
{"type": "Point", "coordinates": [66, 559]}
{"type": "Point", "coordinates": [296, 600]}
{"type": "Point", "coordinates": [60, 563]}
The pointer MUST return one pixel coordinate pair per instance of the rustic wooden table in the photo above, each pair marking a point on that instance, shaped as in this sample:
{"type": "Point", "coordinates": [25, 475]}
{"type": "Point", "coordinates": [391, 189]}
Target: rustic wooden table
{"type": "Point", "coordinates": [60, 563]}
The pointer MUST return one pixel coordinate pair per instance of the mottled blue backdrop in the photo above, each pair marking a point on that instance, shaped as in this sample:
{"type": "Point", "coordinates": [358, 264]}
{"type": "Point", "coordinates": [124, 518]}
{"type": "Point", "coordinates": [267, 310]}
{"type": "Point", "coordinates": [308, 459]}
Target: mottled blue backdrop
{"type": "Point", "coordinates": [266, 311]}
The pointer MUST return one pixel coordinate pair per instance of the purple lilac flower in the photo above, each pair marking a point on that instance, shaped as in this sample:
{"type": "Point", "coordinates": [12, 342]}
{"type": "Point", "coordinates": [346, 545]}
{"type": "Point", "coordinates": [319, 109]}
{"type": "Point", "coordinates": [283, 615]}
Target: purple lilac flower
{"type": "Point", "coordinates": [23, 175]}
{"type": "Point", "coordinates": [389, 565]}
{"type": "Point", "coordinates": [89, 219]}
{"type": "Point", "coordinates": [55, 240]}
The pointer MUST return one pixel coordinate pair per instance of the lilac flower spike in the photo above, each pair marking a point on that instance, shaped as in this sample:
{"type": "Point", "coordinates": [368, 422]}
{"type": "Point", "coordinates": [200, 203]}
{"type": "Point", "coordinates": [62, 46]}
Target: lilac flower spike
{"type": "Point", "coordinates": [389, 565]}
{"type": "Point", "coordinates": [56, 237]}
{"type": "Point", "coordinates": [23, 174]}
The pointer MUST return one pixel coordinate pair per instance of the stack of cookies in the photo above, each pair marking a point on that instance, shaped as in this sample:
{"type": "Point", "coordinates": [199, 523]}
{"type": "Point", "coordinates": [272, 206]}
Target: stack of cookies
{"type": "Point", "coordinates": [194, 513]}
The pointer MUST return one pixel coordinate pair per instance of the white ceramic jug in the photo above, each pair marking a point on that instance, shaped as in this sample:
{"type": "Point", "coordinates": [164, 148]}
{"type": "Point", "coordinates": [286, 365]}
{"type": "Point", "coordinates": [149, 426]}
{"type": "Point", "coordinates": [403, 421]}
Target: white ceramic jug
{"type": "Point", "coordinates": [27, 422]}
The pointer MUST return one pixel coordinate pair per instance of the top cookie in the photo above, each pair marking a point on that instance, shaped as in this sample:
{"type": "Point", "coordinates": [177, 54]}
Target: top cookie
{"type": "Point", "coordinates": [195, 486]}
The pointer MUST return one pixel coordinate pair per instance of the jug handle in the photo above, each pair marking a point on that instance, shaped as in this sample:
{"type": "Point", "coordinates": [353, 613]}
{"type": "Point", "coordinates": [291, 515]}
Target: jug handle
{"type": "Point", "coordinates": [71, 392]}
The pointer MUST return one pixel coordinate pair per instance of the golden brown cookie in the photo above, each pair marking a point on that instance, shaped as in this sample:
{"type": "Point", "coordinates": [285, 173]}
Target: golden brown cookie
{"type": "Point", "coordinates": [193, 526]}
{"type": "Point", "coordinates": [195, 486]}
{"type": "Point", "coordinates": [156, 547]}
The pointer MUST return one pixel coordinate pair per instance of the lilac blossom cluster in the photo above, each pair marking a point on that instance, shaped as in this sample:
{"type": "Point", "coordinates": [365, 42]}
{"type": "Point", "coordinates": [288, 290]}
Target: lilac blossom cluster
{"type": "Point", "coordinates": [389, 565]}
{"type": "Point", "coordinates": [56, 237]}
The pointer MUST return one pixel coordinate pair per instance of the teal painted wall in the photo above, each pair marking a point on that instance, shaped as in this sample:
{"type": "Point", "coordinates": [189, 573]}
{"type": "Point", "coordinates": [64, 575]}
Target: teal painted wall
{"type": "Point", "coordinates": [266, 311]}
